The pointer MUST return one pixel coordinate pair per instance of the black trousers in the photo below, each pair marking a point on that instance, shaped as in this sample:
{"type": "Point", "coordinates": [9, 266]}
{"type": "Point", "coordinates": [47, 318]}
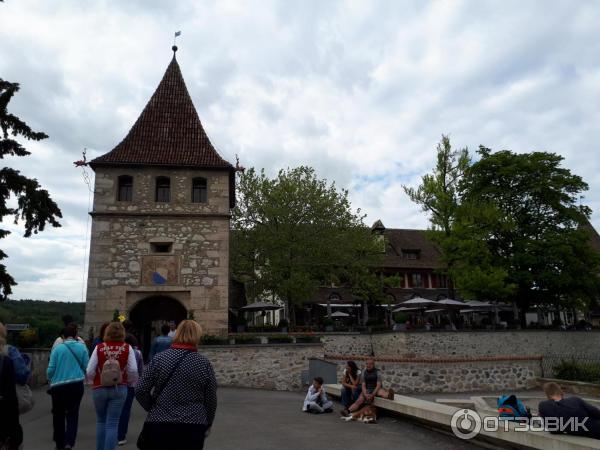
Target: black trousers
{"type": "Point", "coordinates": [171, 436]}
{"type": "Point", "coordinates": [65, 412]}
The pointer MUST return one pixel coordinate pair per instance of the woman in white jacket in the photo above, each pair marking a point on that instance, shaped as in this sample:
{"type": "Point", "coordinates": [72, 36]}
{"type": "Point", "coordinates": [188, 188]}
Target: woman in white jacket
{"type": "Point", "coordinates": [316, 400]}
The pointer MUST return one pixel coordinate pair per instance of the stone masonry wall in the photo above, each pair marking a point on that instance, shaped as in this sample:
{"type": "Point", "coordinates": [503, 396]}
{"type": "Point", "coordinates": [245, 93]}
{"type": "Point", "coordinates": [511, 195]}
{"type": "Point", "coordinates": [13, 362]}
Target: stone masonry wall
{"type": "Point", "coordinates": [456, 376]}
{"type": "Point", "coordinates": [465, 344]}
{"type": "Point", "coordinates": [123, 232]}
{"type": "Point", "coordinates": [106, 185]}
{"type": "Point", "coordinates": [275, 367]}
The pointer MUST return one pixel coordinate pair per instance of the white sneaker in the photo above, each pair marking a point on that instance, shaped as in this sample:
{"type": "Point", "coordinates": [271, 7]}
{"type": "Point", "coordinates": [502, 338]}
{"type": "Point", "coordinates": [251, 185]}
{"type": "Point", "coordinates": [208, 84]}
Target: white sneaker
{"type": "Point", "coordinates": [123, 442]}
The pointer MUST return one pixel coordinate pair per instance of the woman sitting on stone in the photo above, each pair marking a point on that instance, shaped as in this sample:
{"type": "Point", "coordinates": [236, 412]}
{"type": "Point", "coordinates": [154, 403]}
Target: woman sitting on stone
{"type": "Point", "coordinates": [179, 391]}
{"type": "Point", "coordinates": [351, 386]}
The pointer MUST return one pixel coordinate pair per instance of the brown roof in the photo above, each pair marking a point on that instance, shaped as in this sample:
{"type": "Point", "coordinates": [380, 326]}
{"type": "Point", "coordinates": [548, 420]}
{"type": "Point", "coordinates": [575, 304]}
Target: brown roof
{"type": "Point", "coordinates": [168, 132]}
{"type": "Point", "coordinates": [400, 240]}
{"type": "Point", "coordinates": [594, 236]}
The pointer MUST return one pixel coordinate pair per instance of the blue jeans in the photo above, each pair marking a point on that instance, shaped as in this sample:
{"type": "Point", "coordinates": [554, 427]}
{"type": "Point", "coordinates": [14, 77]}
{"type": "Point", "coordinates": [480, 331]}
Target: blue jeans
{"type": "Point", "coordinates": [125, 413]}
{"type": "Point", "coordinates": [349, 396]}
{"type": "Point", "coordinates": [108, 402]}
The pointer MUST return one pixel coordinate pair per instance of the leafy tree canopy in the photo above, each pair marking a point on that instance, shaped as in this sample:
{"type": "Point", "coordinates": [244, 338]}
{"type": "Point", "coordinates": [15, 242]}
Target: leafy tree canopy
{"type": "Point", "coordinates": [520, 233]}
{"type": "Point", "coordinates": [439, 196]}
{"type": "Point", "coordinates": [293, 233]}
{"type": "Point", "coordinates": [32, 205]}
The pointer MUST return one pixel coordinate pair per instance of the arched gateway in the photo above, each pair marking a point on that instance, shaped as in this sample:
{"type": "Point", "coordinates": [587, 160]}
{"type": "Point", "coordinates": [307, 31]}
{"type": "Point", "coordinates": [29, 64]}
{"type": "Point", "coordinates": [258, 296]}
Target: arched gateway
{"type": "Point", "coordinates": [160, 222]}
{"type": "Point", "coordinates": [149, 314]}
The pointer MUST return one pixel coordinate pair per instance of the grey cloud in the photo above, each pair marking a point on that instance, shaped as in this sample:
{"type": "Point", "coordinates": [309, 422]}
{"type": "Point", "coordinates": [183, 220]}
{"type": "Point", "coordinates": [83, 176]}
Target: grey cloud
{"type": "Point", "coordinates": [362, 91]}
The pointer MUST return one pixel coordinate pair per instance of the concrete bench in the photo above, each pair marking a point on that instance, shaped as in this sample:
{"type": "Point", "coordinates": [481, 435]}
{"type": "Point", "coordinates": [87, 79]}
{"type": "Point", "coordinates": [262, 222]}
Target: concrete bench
{"type": "Point", "coordinates": [440, 416]}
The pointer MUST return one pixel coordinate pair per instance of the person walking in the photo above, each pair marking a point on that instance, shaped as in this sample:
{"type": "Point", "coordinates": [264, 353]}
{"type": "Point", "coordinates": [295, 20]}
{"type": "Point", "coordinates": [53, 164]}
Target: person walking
{"type": "Point", "coordinates": [66, 374]}
{"type": "Point", "coordinates": [162, 342]}
{"type": "Point", "coordinates": [60, 339]}
{"type": "Point", "coordinates": [112, 366]}
{"type": "Point", "coordinates": [179, 391]}
{"type": "Point", "coordinates": [11, 433]}
{"type": "Point", "coordinates": [19, 363]}
{"type": "Point", "coordinates": [126, 412]}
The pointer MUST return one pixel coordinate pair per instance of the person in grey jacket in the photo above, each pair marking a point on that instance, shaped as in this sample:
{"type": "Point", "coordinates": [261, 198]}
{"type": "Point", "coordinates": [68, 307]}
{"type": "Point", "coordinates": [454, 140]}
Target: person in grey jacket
{"type": "Point", "coordinates": [316, 400]}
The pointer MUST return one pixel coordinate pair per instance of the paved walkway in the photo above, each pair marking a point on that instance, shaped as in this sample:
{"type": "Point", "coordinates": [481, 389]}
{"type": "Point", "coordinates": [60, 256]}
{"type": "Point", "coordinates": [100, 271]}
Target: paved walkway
{"type": "Point", "coordinates": [257, 420]}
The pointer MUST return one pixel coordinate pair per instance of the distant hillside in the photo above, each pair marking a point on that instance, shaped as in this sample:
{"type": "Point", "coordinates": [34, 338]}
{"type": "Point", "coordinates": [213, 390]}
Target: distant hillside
{"type": "Point", "coordinates": [45, 316]}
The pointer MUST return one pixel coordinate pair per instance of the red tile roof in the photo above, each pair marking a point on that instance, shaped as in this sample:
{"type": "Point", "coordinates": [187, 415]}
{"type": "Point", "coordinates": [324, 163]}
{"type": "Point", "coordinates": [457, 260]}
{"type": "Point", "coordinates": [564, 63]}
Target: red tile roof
{"type": "Point", "coordinates": [168, 132]}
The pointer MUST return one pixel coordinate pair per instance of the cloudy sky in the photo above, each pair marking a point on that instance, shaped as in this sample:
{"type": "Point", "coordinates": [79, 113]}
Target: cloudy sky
{"type": "Point", "coordinates": [361, 90]}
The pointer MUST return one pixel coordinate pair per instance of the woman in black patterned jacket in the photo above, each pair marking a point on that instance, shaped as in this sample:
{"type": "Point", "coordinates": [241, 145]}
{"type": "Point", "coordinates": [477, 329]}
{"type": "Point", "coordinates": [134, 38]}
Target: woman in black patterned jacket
{"type": "Point", "coordinates": [179, 391]}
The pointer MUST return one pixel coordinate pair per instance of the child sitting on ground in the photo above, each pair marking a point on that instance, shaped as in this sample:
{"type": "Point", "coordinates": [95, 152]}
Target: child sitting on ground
{"type": "Point", "coordinates": [316, 400]}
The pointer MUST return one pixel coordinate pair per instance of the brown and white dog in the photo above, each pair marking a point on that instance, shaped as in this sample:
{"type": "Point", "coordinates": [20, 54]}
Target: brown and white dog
{"type": "Point", "coordinates": [366, 414]}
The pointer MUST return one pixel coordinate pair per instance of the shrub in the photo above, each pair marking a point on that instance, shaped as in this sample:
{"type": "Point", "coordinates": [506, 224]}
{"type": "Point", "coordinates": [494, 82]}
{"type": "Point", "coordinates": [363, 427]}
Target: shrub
{"type": "Point", "coordinates": [247, 340]}
{"type": "Point", "coordinates": [280, 339]}
{"type": "Point", "coordinates": [400, 317]}
{"type": "Point", "coordinates": [308, 339]}
{"type": "Point", "coordinates": [214, 340]}
{"type": "Point", "coordinates": [576, 371]}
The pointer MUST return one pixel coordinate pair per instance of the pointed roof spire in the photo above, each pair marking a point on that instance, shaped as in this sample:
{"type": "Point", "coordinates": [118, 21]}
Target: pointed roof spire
{"type": "Point", "coordinates": [168, 132]}
{"type": "Point", "coordinates": [378, 227]}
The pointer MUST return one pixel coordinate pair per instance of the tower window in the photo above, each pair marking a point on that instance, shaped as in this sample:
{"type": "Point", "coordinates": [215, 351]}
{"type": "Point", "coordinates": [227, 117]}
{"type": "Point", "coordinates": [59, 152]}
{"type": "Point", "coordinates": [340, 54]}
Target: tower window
{"type": "Point", "coordinates": [161, 247]}
{"type": "Point", "coordinates": [125, 192]}
{"type": "Point", "coordinates": [163, 189]}
{"type": "Point", "coordinates": [199, 190]}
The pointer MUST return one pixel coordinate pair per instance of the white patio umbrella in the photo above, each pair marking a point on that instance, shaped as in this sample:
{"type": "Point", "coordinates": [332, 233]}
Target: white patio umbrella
{"type": "Point", "coordinates": [418, 301]}
{"type": "Point", "coordinates": [402, 309]}
{"type": "Point", "coordinates": [339, 314]}
{"type": "Point", "coordinates": [450, 302]}
{"type": "Point", "coordinates": [261, 306]}
{"type": "Point", "coordinates": [477, 304]}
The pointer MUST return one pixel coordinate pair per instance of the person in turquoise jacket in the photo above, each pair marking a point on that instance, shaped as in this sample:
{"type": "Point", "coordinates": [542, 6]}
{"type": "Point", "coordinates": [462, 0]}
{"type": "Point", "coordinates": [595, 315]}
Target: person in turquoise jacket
{"type": "Point", "coordinates": [66, 374]}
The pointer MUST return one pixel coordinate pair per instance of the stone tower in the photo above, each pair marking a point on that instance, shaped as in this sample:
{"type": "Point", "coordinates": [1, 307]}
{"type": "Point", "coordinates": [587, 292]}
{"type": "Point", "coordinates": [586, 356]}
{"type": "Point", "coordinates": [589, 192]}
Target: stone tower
{"type": "Point", "coordinates": [159, 246]}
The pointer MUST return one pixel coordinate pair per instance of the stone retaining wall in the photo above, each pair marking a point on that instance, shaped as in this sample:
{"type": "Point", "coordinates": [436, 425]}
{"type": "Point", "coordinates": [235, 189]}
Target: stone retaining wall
{"type": "Point", "coordinates": [455, 375]}
{"type": "Point", "coordinates": [276, 367]}
{"type": "Point", "coordinates": [466, 343]}
{"type": "Point", "coordinates": [266, 366]}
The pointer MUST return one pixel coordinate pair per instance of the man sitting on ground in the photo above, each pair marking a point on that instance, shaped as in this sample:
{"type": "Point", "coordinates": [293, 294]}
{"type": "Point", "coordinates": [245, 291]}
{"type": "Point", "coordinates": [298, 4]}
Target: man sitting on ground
{"type": "Point", "coordinates": [573, 407]}
{"type": "Point", "coordinates": [316, 400]}
{"type": "Point", "coordinates": [371, 388]}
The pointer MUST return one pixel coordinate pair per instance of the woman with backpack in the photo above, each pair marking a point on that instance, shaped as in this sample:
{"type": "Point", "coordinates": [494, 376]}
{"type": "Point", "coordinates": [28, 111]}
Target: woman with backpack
{"type": "Point", "coordinates": [66, 374]}
{"type": "Point", "coordinates": [11, 433]}
{"type": "Point", "coordinates": [112, 366]}
{"type": "Point", "coordinates": [179, 391]}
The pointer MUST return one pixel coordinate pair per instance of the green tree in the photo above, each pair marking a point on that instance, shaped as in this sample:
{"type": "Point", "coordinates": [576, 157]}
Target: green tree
{"type": "Point", "coordinates": [518, 232]}
{"type": "Point", "coordinates": [438, 195]}
{"type": "Point", "coordinates": [33, 204]}
{"type": "Point", "coordinates": [293, 233]}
